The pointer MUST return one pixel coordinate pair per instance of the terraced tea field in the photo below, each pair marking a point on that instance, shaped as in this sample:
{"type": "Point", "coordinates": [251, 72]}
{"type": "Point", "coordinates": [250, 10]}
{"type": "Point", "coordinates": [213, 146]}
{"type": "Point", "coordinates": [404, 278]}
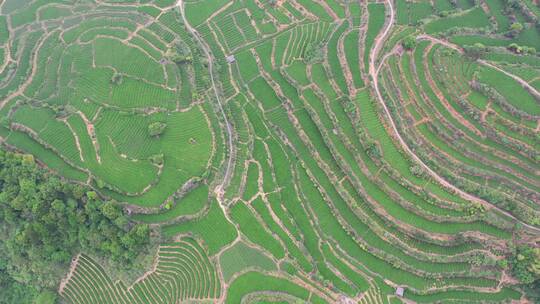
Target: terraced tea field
{"type": "Point", "coordinates": [301, 151]}
{"type": "Point", "coordinates": [96, 80]}
{"type": "Point", "coordinates": [181, 271]}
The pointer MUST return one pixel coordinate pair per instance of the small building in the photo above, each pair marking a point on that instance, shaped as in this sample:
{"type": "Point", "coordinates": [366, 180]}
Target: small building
{"type": "Point", "coordinates": [230, 59]}
{"type": "Point", "coordinates": [400, 291]}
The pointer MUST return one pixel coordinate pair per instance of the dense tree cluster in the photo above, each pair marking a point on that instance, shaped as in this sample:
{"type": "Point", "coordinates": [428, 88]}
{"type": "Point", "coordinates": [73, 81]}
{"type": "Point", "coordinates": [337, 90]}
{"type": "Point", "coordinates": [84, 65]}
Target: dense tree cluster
{"type": "Point", "coordinates": [45, 221]}
{"type": "Point", "coordinates": [525, 264]}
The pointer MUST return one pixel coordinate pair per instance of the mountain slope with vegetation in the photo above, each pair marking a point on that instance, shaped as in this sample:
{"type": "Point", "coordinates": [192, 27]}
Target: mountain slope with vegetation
{"type": "Point", "coordinates": [256, 151]}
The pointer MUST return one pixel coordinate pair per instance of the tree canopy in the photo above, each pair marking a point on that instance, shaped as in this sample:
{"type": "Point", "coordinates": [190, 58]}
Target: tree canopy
{"type": "Point", "coordinates": [156, 128]}
{"type": "Point", "coordinates": [526, 264]}
{"type": "Point", "coordinates": [45, 221]}
{"type": "Point", "coordinates": [409, 42]}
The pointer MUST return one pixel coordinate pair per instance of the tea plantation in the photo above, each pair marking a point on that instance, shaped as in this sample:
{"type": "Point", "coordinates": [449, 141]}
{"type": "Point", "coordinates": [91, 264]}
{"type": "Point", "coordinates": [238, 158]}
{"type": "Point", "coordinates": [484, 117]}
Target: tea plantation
{"type": "Point", "coordinates": [275, 151]}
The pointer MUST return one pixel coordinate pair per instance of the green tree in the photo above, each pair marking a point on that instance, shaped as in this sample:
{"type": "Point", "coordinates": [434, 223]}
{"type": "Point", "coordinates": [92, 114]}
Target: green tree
{"type": "Point", "coordinates": [46, 297]}
{"type": "Point", "coordinates": [45, 221]}
{"type": "Point", "coordinates": [111, 210]}
{"type": "Point", "coordinates": [117, 79]}
{"type": "Point", "coordinates": [514, 47]}
{"type": "Point", "coordinates": [515, 29]}
{"type": "Point", "coordinates": [156, 128]}
{"type": "Point", "coordinates": [417, 170]}
{"type": "Point", "coordinates": [409, 42]}
{"type": "Point", "coordinates": [157, 159]}
{"type": "Point", "coordinates": [475, 51]}
{"type": "Point", "coordinates": [314, 53]}
{"type": "Point", "coordinates": [525, 263]}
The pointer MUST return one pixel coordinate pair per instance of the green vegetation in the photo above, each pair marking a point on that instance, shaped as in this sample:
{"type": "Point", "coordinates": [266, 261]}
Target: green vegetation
{"type": "Point", "coordinates": [182, 271]}
{"type": "Point", "coordinates": [269, 151]}
{"type": "Point", "coordinates": [409, 42]}
{"type": "Point", "coordinates": [525, 264]}
{"type": "Point", "coordinates": [114, 105]}
{"type": "Point", "coordinates": [213, 228]}
{"type": "Point", "coordinates": [156, 128]}
{"type": "Point", "coordinates": [376, 21]}
{"type": "Point", "coordinates": [46, 221]}
{"type": "Point", "coordinates": [254, 231]}
{"type": "Point", "coordinates": [253, 281]}
{"type": "Point", "coordinates": [475, 18]}
{"type": "Point", "coordinates": [241, 257]}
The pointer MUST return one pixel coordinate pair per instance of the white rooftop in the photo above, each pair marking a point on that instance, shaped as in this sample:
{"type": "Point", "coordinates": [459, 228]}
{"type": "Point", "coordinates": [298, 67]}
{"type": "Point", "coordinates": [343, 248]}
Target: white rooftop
{"type": "Point", "coordinates": [230, 59]}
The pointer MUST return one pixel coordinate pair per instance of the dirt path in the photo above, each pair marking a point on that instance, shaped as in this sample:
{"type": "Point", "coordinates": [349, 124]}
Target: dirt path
{"type": "Point", "coordinates": [7, 49]}
{"type": "Point", "coordinates": [92, 134]}
{"type": "Point", "coordinates": [228, 128]}
{"type": "Point", "coordinates": [374, 73]}
{"type": "Point", "coordinates": [76, 137]}
{"type": "Point", "coordinates": [72, 268]}
{"type": "Point", "coordinates": [7, 58]}
{"type": "Point", "coordinates": [219, 189]}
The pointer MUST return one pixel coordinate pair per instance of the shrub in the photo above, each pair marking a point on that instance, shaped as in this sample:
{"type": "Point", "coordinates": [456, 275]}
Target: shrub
{"type": "Point", "coordinates": [444, 14]}
{"type": "Point", "coordinates": [417, 170]}
{"type": "Point", "coordinates": [475, 51]}
{"type": "Point", "coordinates": [514, 47]}
{"type": "Point", "coordinates": [515, 29]}
{"type": "Point", "coordinates": [117, 79]}
{"type": "Point", "coordinates": [516, 26]}
{"type": "Point", "coordinates": [525, 263]}
{"type": "Point", "coordinates": [372, 149]}
{"type": "Point", "coordinates": [157, 159]}
{"type": "Point", "coordinates": [156, 128]}
{"type": "Point", "coordinates": [314, 53]}
{"type": "Point", "coordinates": [409, 42]}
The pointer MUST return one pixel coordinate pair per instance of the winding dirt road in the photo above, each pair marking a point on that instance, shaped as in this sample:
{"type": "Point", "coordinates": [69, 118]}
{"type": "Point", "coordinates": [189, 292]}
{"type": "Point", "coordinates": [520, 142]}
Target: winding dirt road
{"type": "Point", "coordinates": [374, 73]}
{"type": "Point", "coordinates": [219, 189]}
